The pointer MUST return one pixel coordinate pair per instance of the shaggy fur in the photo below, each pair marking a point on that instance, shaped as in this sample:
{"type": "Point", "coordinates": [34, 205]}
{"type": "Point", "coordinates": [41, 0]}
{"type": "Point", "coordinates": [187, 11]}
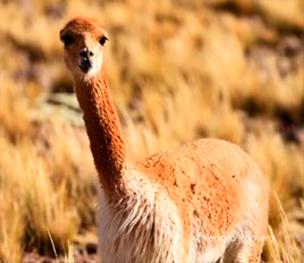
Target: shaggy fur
{"type": "Point", "coordinates": [202, 202]}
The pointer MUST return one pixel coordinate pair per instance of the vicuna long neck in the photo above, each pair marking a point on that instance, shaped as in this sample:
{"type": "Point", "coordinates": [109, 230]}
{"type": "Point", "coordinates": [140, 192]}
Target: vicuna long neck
{"type": "Point", "coordinates": [104, 131]}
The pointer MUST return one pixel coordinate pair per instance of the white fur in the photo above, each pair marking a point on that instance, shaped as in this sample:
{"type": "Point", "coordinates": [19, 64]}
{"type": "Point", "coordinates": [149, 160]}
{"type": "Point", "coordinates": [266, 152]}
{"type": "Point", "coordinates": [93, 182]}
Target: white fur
{"type": "Point", "coordinates": [96, 67]}
{"type": "Point", "coordinates": [143, 227]}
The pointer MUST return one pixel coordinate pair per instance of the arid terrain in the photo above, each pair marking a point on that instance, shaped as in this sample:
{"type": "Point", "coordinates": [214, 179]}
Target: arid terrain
{"type": "Point", "coordinates": [179, 70]}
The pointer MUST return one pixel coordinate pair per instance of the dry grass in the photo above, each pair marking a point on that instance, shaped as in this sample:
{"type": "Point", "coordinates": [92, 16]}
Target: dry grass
{"type": "Point", "coordinates": [179, 70]}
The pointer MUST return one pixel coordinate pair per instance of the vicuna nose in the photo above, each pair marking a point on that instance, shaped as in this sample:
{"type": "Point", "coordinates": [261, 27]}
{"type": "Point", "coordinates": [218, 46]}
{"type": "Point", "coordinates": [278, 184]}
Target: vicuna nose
{"type": "Point", "coordinates": [85, 53]}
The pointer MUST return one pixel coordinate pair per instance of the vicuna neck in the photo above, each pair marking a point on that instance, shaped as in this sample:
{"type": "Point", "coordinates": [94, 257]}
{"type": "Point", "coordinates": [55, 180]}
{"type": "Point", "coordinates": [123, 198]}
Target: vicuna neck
{"type": "Point", "coordinates": [104, 131]}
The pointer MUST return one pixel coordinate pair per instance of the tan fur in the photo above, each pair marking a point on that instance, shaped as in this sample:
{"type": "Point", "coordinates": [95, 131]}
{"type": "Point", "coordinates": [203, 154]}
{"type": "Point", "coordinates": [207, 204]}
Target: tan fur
{"type": "Point", "coordinates": [202, 202]}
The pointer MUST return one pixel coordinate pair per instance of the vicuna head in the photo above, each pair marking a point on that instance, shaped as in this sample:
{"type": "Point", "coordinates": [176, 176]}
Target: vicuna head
{"type": "Point", "coordinates": [84, 41]}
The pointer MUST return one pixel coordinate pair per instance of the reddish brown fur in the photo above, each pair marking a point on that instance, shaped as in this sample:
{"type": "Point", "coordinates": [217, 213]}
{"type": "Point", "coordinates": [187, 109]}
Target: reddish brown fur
{"type": "Point", "coordinates": [188, 173]}
{"type": "Point", "coordinates": [216, 187]}
{"type": "Point", "coordinates": [104, 131]}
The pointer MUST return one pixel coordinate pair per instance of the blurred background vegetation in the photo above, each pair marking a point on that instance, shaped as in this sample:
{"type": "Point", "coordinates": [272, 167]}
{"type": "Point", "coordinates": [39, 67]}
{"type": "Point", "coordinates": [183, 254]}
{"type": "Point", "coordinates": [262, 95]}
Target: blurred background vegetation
{"type": "Point", "coordinates": [178, 70]}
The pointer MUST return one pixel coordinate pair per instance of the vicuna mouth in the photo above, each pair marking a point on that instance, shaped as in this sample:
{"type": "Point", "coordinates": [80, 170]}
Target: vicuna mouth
{"type": "Point", "coordinates": [85, 65]}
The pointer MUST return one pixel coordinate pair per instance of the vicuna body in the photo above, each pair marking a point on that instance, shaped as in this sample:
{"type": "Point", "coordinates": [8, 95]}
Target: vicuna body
{"type": "Point", "coordinates": [202, 202]}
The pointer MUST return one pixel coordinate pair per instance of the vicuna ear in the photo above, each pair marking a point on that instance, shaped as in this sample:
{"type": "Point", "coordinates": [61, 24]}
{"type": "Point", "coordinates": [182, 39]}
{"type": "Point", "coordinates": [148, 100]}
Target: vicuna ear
{"type": "Point", "coordinates": [66, 38]}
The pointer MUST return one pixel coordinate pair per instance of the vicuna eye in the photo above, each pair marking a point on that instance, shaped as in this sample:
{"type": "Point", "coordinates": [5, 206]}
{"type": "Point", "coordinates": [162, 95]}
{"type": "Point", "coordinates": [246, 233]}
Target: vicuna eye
{"type": "Point", "coordinates": [103, 40]}
{"type": "Point", "coordinates": [67, 39]}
